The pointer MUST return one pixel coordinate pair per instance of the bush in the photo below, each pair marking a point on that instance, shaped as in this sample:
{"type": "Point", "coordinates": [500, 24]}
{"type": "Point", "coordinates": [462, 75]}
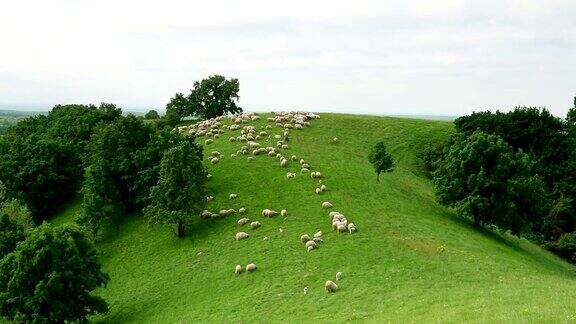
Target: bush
{"type": "Point", "coordinates": [565, 246]}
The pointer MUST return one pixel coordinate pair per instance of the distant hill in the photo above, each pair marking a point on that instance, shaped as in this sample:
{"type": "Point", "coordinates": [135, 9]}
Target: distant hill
{"type": "Point", "coordinates": [411, 259]}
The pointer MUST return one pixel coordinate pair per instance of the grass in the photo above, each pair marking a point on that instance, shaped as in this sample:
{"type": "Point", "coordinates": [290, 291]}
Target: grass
{"type": "Point", "coordinates": [394, 269]}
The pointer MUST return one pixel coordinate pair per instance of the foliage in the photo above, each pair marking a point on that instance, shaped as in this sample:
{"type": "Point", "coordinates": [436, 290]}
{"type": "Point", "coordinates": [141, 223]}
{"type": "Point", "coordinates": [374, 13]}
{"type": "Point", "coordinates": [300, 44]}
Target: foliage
{"type": "Point", "coordinates": [179, 196]}
{"type": "Point", "coordinates": [10, 234]}
{"type": "Point", "coordinates": [565, 246]}
{"type": "Point", "coordinates": [49, 277]}
{"type": "Point", "coordinates": [123, 165]}
{"type": "Point", "coordinates": [485, 180]}
{"type": "Point", "coordinates": [152, 114]}
{"type": "Point", "coordinates": [381, 160]}
{"type": "Point", "coordinates": [211, 97]}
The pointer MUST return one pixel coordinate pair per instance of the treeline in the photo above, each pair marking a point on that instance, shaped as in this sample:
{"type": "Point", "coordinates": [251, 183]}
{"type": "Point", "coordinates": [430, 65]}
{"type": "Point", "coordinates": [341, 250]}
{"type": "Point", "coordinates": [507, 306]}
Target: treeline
{"type": "Point", "coordinates": [120, 164]}
{"type": "Point", "coordinates": [515, 171]}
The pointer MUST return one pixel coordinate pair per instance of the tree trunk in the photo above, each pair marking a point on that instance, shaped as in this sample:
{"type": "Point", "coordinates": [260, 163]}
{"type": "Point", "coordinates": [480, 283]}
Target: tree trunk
{"type": "Point", "coordinates": [180, 230]}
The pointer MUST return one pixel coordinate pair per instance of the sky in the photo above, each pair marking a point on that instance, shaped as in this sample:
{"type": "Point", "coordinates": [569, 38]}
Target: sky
{"type": "Point", "coordinates": [442, 57]}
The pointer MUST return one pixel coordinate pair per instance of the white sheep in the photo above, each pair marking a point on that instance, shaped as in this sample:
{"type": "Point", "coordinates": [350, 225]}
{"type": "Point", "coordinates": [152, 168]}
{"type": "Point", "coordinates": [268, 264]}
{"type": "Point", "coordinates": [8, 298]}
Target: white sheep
{"type": "Point", "coordinates": [255, 225]}
{"type": "Point", "coordinates": [335, 140]}
{"type": "Point", "coordinates": [251, 267]}
{"type": "Point", "coordinates": [351, 228]}
{"type": "Point", "coordinates": [208, 141]}
{"type": "Point", "coordinates": [318, 234]}
{"type": "Point", "coordinates": [305, 290]}
{"type": "Point", "coordinates": [238, 269]}
{"type": "Point", "coordinates": [323, 188]}
{"type": "Point", "coordinates": [232, 196]}
{"type": "Point", "coordinates": [338, 275]}
{"type": "Point", "coordinates": [304, 170]}
{"type": "Point", "coordinates": [326, 205]}
{"type": "Point", "coordinates": [241, 236]}
{"type": "Point", "coordinates": [243, 221]}
{"type": "Point", "coordinates": [318, 191]}
{"type": "Point", "coordinates": [242, 210]}
{"type": "Point", "coordinates": [341, 227]}
{"type": "Point", "coordinates": [317, 240]}
{"type": "Point", "coordinates": [330, 286]}
{"type": "Point", "coordinates": [309, 244]}
{"type": "Point", "coordinates": [265, 238]}
{"type": "Point", "coordinates": [294, 158]}
{"type": "Point", "coordinates": [310, 248]}
{"type": "Point", "coordinates": [250, 158]}
{"type": "Point", "coordinates": [283, 213]}
{"type": "Point", "coordinates": [269, 213]}
{"type": "Point", "coordinates": [304, 238]}
{"type": "Point", "coordinates": [214, 160]}
{"type": "Point", "coordinates": [284, 163]}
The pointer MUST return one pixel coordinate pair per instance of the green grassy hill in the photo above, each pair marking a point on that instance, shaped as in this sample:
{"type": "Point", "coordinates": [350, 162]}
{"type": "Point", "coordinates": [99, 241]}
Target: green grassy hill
{"type": "Point", "coordinates": [393, 267]}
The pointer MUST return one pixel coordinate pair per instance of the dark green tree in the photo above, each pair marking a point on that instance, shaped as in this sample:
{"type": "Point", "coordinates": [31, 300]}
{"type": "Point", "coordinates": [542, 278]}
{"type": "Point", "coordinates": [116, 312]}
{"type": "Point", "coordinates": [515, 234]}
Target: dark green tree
{"type": "Point", "coordinates": [152, 114]}
{"type": "Point", "coordinates": [485, 180]}
{"type": "Point", "coordinates": [214, 96]}
{"type": "Point", "coordinates": [571, 116]}
{"type": "Point", "coordinates": [10, 234]}
{"type": "Point", "coordinates": [178, 197]}
{"type": "Point", "coordinates": [49, 277]}
{"type": "Point", "coordinates": [176, 109]}
{"type": "Point", "coordinates": [381, 159]}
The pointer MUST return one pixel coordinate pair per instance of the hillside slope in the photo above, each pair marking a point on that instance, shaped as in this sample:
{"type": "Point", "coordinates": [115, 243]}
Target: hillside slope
{"type": "Point", "coordinates": [393, 267]}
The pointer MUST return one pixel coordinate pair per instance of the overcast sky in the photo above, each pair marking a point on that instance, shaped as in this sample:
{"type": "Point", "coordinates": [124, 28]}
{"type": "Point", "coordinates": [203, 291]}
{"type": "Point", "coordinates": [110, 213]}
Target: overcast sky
{"type": "Point", "coordinates": [443, 57]}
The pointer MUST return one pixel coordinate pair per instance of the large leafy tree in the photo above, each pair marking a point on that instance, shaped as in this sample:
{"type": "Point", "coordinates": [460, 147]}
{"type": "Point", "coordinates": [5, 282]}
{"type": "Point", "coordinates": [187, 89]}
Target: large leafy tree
{"type": "Point", "coordinates": [212, 97]}
{"type": "Point", "coordinates": [178, 197]}
{"type": "Point", "coordinates": [381, 160]}
{"type": "Point", "coordinates": [50, 276]}
{"type": "Point", "coordinates": [487, 181]}
{"type": "Point", "coordinates": [10, 234]}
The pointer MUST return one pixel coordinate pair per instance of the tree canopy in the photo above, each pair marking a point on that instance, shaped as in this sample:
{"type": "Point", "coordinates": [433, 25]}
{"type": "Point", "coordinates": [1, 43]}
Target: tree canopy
{"type": "Point", "coordinates": [49, 277]}
{"type": "Point", "coordinates": [179, 196]}
{"type": "Point", "coordinates": [381, 159]}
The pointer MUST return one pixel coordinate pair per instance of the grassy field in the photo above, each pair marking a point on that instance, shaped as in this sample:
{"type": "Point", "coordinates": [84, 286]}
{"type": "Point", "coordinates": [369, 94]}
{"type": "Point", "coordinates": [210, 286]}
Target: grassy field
{"type": "Point", "coordinates": [394, 267]}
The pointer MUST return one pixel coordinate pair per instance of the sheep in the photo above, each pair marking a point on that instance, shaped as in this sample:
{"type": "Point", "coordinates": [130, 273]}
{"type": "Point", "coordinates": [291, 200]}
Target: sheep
{"type": "Point", "coordinates": [330, 286]}
{"type": "Point", "coordinates": [341, 227]}
{"type": "Point", "coordinates": [243, 221]}
{"type": "Point", "coordinates": [284, 163]}
{"type": "Point", "coordinates": [305, 290]}
{"type": "Point", "coordinates": [290, 175]}
{"type": "Point", "coordinates": [310, 248]}
{"type": "Point", "coordinates": [283, 213]}
{"type": "Point", "coordinates": [214, 160]}
{"type": "Point", "coordinates": [209, 198]}
{"type": "Point", "coordinates": [317, 240]}
{"type": "Point", "coordinates": [335, 140]}
{"type": "Point", "coordinates": [323, 188]}
{"type": "Point", "coordinates": [206, 214]}
{"type": "Point", "coordinates": [230, 212]}
{"type": "Point", "coordinates": [326, 205]}
{"type": "Point", "coordinates": [318, 191]}
{"type": "Point", "coordinates": [208, 141]}
{"type": "Point", "coordinates": [251, 267]}
{"type": "Point", "coordinates": [318, 234]}
{"type": "Point", "coordinates": [294, 158]}
{"type": "Point", "coordinates": [242, 210]}
{"type": "Point", "coordinates": [208, 176]}
{"type": "Point", "coordinates": [309, 244]}
{"type": "Point", "coordinates": [304, 170]}
{"type": "Point", "coordinates": [241, 236]}
{"type": "Point", "coordinates": [269, 213]}
{"type": "Point", "coordinates": [335, 224]}
{"type": "Point", "coordinates": [233, 196]}
{"type": "Point", "coordinates": [223, 212]}
{"type": "Point", "coordinates": [250, 158]}
{"type": "Point", "coordinates": [302, 161]}
{"type": "Point", "coordinates": [304, 238]}
{"type": "Point", "coordinates": [232, 139]}
{"type": "Point", "coordinates": [351, 228]}
{"type": "Point", "coordinates": [280, 230]}
{"type": "Point", "coordinates": [305, 166]}
{"type": "Point", "coordinates": [238, 269]}
{"type": "Point", "coordinates": [265, 238]}
{"type": "Point", "coordinates": [255, 225]}
{"type": "Point", "coordinates": [338, 275]}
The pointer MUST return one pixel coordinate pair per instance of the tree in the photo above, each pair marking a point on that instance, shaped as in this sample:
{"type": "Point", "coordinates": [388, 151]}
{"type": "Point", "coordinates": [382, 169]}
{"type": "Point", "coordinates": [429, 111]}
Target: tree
{"type": "Point", "coordinates": [571, 116]}
{"type": "Point", "coordinates": [214, 96]}
{"type": "Point", "coordinates": [381, 160]}
{"type": "Point", "coordinates": [152, 114]}
{"type": "Point", "coordinates": [211, 97]}
{"type": "Point", "coordinates": [179, 196]}
{"type": "Point", "coordinates": [49, 277]}
{"type": "Point", "coordinates": [10, 234]}
{"type": "Point", "coordinates": [485, 180]}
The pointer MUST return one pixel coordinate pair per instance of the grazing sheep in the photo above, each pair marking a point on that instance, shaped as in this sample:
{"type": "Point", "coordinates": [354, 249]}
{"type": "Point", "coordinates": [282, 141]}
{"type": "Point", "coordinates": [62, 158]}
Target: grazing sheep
{"type": "Point", "coordinates": [208, 176]}
{"type": "Point", "coordinates": [265, 238]}
{"type": "Point", "coordinates": [323, 187]}
{"type": "Point", "coordinates": [294, 158]}
{"type": "Point", "coordinates": [283, 213]}
{"type": "Point", "coordinates": [238, 269]}
{"type": "Point", "coordinates": [330, 286]}
{"type": "Point", "coordinates": [280, 230]}
{"type": "Point", "coordinates": [310, 243]}
{"type": "Point", "coordinates": [269, 213]}
{"type": "Point", "coordinates": [338, 275]}
{"type": "Point", "coordinates": [302, 161]}
{"type": "Point", "coordinates": [341, 227]}
{"type": "Point", "coordinates": [304, 238]}
{"type": "Point", "coordinates": [206, 214]}
{"type": "Point", "coordinates": [310, 248]}
{"type": "Point", "coordinates": [290, 175]}
{"type": "Point", "coordinates": [304, 170]}
{"type": "Point", "coordinates": [351, 228]}
{"type": "Point", "coordinates": [317, 240]}
{"type": "Point", "coordinates": [214, 160]}
{"type": "Point", "coordinates": [318, 191]}
{"type": "Point", "coordinates": [305, 166]}
{"type": "Point", "coordinates": [243, 221]}
{"type": "Point", "coordinates": [251, 267]}
{"type": "Point", "coordinates": [209, 198]}
{"type": "Point", "coordinates": [326, 205]}
{"type": "Point", "coordinates": [335, 139]}
{"type": "Point", "coordinates": [208, 141]}
{"type": "Point", "coordinates": [305, 290]}
{"type": "Point", "coordinates": [284, 163]}
{"type": "Point", "coordinates": [230, 212]}
{"type": "Point", "coordinates": [318, 234]}
{"type": "Point", "coordinates": [255, 225]}
{"type": "Point", "coordinates": [242, 210]}
{"type": "Point", "coordinates": [241, 236]}
{"type": "Point", "coordinates": [232, 196]}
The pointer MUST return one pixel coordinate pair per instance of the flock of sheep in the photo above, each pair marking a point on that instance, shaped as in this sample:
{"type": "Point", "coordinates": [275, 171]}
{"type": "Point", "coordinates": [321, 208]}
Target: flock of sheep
{"type": "Point", "coordinates": [248, 135]}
